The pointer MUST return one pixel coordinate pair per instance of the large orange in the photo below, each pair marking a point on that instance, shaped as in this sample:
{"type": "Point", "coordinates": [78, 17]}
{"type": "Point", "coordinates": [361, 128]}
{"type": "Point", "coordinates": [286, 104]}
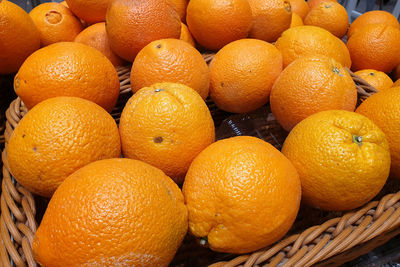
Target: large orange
{"type": "Point", "coordinates": [57, 137]}
{"type": "Point", "coordinates": [299, 7]}
{"type": "Point", "coordinates": [131, 25]}
{"type": "Point", "coordinates": [311, 40]}
{"type": "Point", "coordinates": [383, 109]}
{"type": "Point", "coordinates": [19, 37]}
{"type": "Point", "coordinates": [330, 16]}
{"type": "Point", "coordinates": [342, 158]}
{"type": "Point", "coordinates": [296, 21]}
{"type": "Point", "coordinates": [378, 79]}
{"type": "Point", "coordinates": [67, 69]}
{"type": "Point", "coordinates": [170, 60]}
{"type": "Point", "coordinates": [375, 46]}
{"type": "Point", "coordinates": [373, 17]}
{"type": "Point", "coordinates": [56, 23]}
{"type": "Point", "coordinates": [216, 23]}
{"type": "Point", "coordinates": [91, 11]}
{"type": "Point", "coordinates": [270, 19]}
{"type": "Point", "coordinates": [96, 37]}
{"type": "Point", "coordinates": [309, 85]}
{"type": "Point", "coordinates": [115, 212]}
{"type": "Point", "coordinates": [313, 3]}
{"type": "Point", "coordinates": [186, 35]}
{"type": "Point", "coordinates": [242, 75]}
{"type": "Point", "coordinates": [242, 194]}
{"type": "Point", "coordinates": [166, 125]}
{"type": "Point", "coordinates": [181, 6]}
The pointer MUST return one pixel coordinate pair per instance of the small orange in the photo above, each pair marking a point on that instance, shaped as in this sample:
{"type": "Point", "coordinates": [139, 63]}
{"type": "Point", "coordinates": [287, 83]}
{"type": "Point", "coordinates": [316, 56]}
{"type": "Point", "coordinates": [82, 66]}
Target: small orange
{"type": "Point", "coordinates": [296, 21]}
{"type": "Point", "coordinates": [310, 85]}
{"type": "Point", "coordinates": [170, 60]}
{"type": "Point", "coordinates": [375, 46]}
{"type": "Point", "coordinates": [56, 23]}
{"type": "Point", "coordinates": [57, 137]}
{"type": "Point", "coordinates": [181, 6]}
{"type": "Point", "coordinates": [342, 158]}
{"type": "Point", "coordinates": [242, 194]}
{"type": "Point", "coordinates": [67, 69]}
{"type": "Point", "coordinates": [378, 79]}
{"type": "Point", "coordinates": [116, 212]}
{"type": "Point", "coordinates": [216, 23]}
{"type": "Point", "coordinates": [186, 35]}
{"type": "Point", "coordinates": [96, 36]}
{"type": "Point", "coordinates": [299, 7]}
{"type": "Point", "coordinates": [373, 17]}
{"type": "Point", "coordinates": [270, 19]}
{"type": "Point", "coordinates": [330, 16]}
{"type": "Point", "coordinates": [91, 11]}
{"type": "Point", "coordinates": [242, 75]}
{"type": "Point", "coordinates": [383, 109]}
{"type": "Point", "coordinates": [313, 3]}
{"type": "Point", "coordinates": [131, 25]}
{"type": "Point", "coordinates": [19, 37]}
{"type": "Point", "coordinates": [166, 125]}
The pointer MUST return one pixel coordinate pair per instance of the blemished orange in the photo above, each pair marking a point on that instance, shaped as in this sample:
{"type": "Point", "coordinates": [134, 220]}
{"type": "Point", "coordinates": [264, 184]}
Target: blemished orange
{"type": "Point", "coordinates": [378, 79]}
{"type": "Point", "coordinates": [270, 19]}
{"type": "Point", "coordinates": [242, 75]}
{"type": "Point", "coordinates": [91, 11]}
{"type": "Point", "coordinates": [166, 125]}
{"type": "Point", "coordinates": [170, 60]}
{"type": "Point", "coordinates": [115, 212]}
{"type": "Point", "coordinates": [233, 186]}
{"type": "Point", "coordinates": [296, 21]}
{"type": "Point", "coordinates": [310, 85]}
{"type": "Point", "coordinates": [313, 3]}
{"type": "Point", "coordinates": [311, 40]}
{"type": "Point", "coordinates": [299, 7]}
{"type": "Point", "coordinates": [375, 46]}
{"type": "Point", "coordinates": [131, 25]}
{"type": "Point", "coordinates": [67, 69]}
{"type": "Point", "coordinates": [56, 23]}
{"type": "Point", "coordinates": [19, 37]}
{"type": "Point", "coordinates": [186, 35]}
{"type": "Point", "coordinates": [215, 24]}
{"type": "Point", "coordinates": [383, 109]}
{"type": "Point", "coordinates": [96, 36]}
{"type": "Point", "coordinates": [181, 6]}
{"type": "Point", "coordinates": [57, 137]}
{"type": "Point", "coordinates": [330, 16]}
{"type": "Point", "coordinates": [342, 158]}
{"type": "Point", "coordinates": [373, 17]}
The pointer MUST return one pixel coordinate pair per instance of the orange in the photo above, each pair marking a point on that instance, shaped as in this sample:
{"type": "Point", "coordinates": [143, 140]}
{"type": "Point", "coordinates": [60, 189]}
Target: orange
{"type": "Point", "coordinates": [396, 83]}
{"type": "Point", "coordinates": [67, 69]}
{"type": "Point", "coordinates": [166, 125]}
{"type": "Point", "coordinates": [299, 7]}
{"type": "Point", "coordinates": [270, 19]}
{"type": "Point", "coordinates": [378, 79]}
{"type": "Point", "coordinates": [56, 23]}
{"type": "Point", "coordinates": [64, 3]}
{"type": "Point", "coordinates": [311, 40]}
{"type": "Point", "coordinates": [181, 6]}
{"type": "Point", "coordinates": [216, 23]}
{"type": "Point", "coordinates": [375, 46]}
{"type": "Point", "coordinates": [96, 37]}
{"type": "Point", "coordinates": [115, 212]}
{"type": "Point", "coordinates": [330, 16]}
{"type": "Point", "coordinates": [310, 85]}
{"type": "Point", "coordinates": [186, 35]}
{"type": "Point", "coordinates": [296, 21]}
{"type": "Point", "coordinates": [242, 194]}
{"type": "Point", "coordinates": [373, 17]}
{"type": "Point", "coordinates": [242, 75]}
{"type": "Point", "coordinates": [19, 37]}
{"type": "Point", "coordinates": [170, 60]}
{"type": "Point", "coordinates": [383, 109]}
{"type": "Point", "coordinates": [91, 11]}
{"type": "Point", "coordinates": [342, 158]}
{"type": "Point", "coordinates": [57, 137]}
{"type": "Point", "coordinates": [131, 25]}
{"type": "Point", "coordinates": [313, 3]}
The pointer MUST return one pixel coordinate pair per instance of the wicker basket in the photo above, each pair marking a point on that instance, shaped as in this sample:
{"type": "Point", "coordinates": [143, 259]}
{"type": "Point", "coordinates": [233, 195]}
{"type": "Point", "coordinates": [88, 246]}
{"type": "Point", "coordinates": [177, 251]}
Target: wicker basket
{"type": "Point", "coordinates": [315, 236]}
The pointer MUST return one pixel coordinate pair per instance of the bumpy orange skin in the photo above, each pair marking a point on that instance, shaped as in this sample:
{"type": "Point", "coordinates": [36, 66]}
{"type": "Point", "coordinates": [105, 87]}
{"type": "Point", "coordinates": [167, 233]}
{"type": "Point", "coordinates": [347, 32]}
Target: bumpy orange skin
{"type": "Point", "coordinates": [57, 137]}
{"type": "Point", "coordinates": [378, 79]}
{"type": "Point", "coordinates": [186, 35]}
{"type": "Point", "coordinates": [91, 11]}
{"type": "Point", "coordinates": [217, 23]}
{"type": "Point", "coordinates": [131, 25]}
{"type": "Point", "coordinates": [242, 75]}
{"type": "Point", "coordinates": [181, 6]}
{"type": "Point", "coordinates": [337, 173]}
{"type": "Point", "coordinates": [299, 7]}
{"type": "Point", "coordinates": [242, 194]}
{"type": "Point", "coordinates": [166, 125]}
{"type": "Point", "coordinates": [67, 69]}
{"type": "Point", "coordinates": [170, 60]}
{"type": "Point", "coordinates": [383, 109]}
{"type": "Point", "coordinates": [309, 85]}
{"type": "Point", "coordinates": [115, 212]}
{"type": "Point", "coordinates": [19, 37]}
{"type": "Point", "coordinates": [296, 21]}
{"type": "Point", "coordinates": [313, 3]}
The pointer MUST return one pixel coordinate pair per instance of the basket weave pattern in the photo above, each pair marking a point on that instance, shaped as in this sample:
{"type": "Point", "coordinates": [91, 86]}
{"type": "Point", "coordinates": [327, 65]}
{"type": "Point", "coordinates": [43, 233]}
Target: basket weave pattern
{"type": "Point", "coordinates": [312, 245]}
